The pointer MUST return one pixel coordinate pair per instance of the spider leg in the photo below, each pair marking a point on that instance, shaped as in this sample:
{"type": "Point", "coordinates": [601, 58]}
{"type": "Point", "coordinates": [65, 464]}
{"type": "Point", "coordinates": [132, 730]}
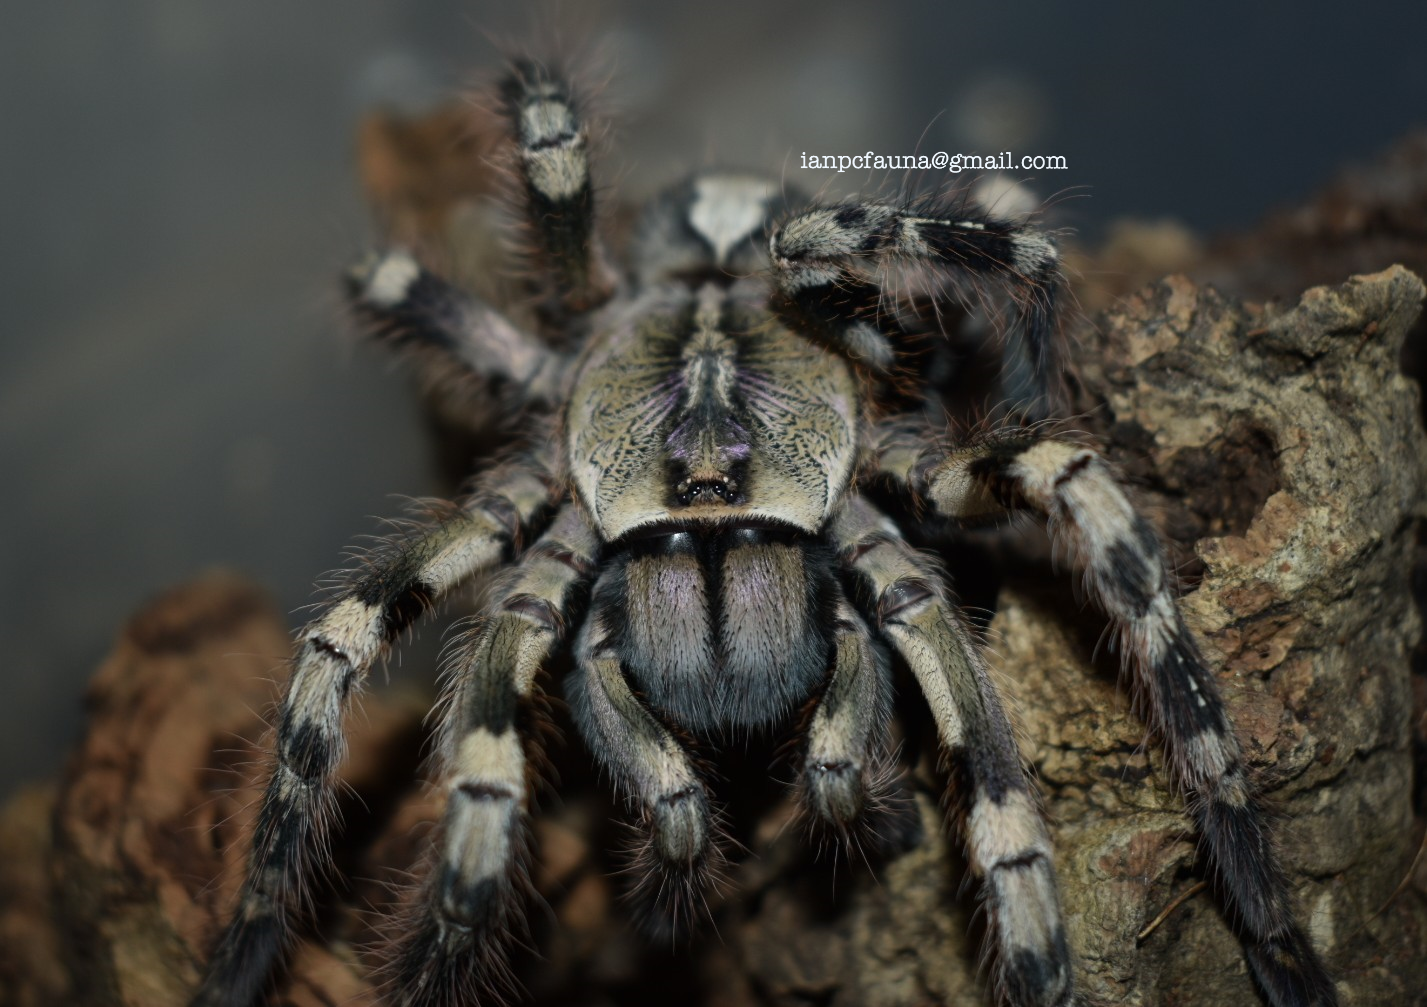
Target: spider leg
{"type": "Point", "coordinates": [680, 852]}
{"type": "Point", "coordinates": [471, 904]}
{"type": "Point", "coordinates": [1005, 837]}
{"type": "Point", "coordinates": [336, 651]}
{"type": "Point", "coordinates": [447, 330]}
{"type": "Point", "coordinates": [819, 259]}
{"type": "Point", "coordinates": [844, 755]}
{"type": "Point", "coordinates": [554, 166]}
{"type": "Point", "coordinates": [1085, 509]}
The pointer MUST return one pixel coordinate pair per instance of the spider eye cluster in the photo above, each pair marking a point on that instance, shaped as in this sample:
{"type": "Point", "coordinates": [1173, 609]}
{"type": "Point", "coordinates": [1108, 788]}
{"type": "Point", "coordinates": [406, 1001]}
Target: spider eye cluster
{"type": "Point", "coordinates": [696, 491]}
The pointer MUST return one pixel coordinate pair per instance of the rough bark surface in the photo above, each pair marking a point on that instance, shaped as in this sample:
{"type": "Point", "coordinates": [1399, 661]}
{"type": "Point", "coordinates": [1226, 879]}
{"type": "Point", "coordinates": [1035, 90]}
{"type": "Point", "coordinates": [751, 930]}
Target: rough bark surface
{"type": "Point", "coordinates": [1282, 447]}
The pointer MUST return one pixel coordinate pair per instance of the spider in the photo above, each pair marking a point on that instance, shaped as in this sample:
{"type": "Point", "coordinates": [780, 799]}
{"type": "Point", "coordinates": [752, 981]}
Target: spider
{"type": "Point", "coordinates": [687, 516]}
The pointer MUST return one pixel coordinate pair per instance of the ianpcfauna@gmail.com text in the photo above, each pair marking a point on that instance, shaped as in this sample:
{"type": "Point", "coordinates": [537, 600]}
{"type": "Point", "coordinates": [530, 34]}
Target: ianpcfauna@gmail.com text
{"type": "Point", "coordinates": [940, 161]}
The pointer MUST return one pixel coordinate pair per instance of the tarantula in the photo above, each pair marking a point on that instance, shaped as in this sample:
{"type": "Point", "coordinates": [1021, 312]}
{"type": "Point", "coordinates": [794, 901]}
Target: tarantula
{"type": "Point", "coordinates": [686, 515]}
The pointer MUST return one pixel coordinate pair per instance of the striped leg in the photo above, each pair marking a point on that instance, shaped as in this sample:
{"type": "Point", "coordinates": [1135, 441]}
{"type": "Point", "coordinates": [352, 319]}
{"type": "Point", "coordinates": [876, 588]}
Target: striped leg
{"type": "Point", "coordinates": [336, 651]}
{"type": "Point", "coordinates": [829, 295]}
{"type": "Point", "coordinates": [1086, 510]}
{"type": "Point", "coordinates": [449, 332]}
{"type": "Point", "coordinates": [471, 905]}
{"type": "Point", "coordinates": [680, 852]}
{"type": "Point", "coordinates": [843, 774]}
{"type": "Point", "coordinates": [1006, 840]}
{"type": "Point", "coordinates": [554, 164]}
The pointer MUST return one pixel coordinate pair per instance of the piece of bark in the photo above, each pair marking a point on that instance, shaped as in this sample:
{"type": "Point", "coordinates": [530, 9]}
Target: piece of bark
{"type": "Point", "coordinates": [151, 819]}
{"type": "Point", "coordinates": [32, 969]}
{"type": "Point", "coordinates": [1371, 215]}
{"type": "Point", "coordinates": [1298, 428]}
{"type": "Point", "coordinates": [422, 174]}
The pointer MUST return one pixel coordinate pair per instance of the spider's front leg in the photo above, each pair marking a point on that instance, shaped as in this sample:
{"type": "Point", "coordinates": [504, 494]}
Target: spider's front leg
{"type": "Point", "coordinates": [1087, 512]}
{"type": "Point", "coordinates": [553, 142]}
{"type": "Point", "coordinates": [403, 579]}
{"type": "Point", "coordinates": [470, 908]}
{"type": "Point", "coordinates": [826, 292]}
{"type": "Point", "coordinates": [451, 333]}
{"type": "Point", "coordinates": [1005, 838]}
{"type": "Point", "coordinates": [448, 331]}
{"type": "Point", "coordinates": [680, 850]}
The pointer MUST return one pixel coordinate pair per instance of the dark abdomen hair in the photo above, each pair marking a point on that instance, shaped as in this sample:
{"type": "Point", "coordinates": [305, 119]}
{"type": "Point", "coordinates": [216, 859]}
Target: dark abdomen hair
{"type": "Point", "coordinates": [722, 627]}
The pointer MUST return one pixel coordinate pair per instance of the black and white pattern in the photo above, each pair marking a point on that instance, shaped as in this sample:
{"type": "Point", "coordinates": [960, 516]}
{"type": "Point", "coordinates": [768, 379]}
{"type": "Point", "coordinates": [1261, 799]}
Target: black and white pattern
{"type": "Point", "coordinates": [1091, 519]}
{"type": "Point", "coordinates": [699, 546]}
{"type": "Point", "coordinates": [335, 653]}
{"type": "Point", "coordinates": [553, 152]}
{"type": "Point", "coordinates": [826, 261]}
{"type": "Point", "coordinates": [1006, 841]}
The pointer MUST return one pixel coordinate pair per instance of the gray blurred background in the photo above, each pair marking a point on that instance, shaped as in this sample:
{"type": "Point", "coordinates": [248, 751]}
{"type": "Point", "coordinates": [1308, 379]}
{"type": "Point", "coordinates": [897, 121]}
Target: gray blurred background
{"type": "Point", "coordinates": [178, 190]}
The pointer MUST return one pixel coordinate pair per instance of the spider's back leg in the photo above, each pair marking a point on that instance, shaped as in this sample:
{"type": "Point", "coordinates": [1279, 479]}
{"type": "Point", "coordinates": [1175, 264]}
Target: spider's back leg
{"type": "Point", "coordinates": [336, 652]}
{"type": "Point", "coordinates": [470, 908]}
{"type": "Point", "coordinates": [1006, 839]}
{"type": "Point", "coordinates": [1087, 512]}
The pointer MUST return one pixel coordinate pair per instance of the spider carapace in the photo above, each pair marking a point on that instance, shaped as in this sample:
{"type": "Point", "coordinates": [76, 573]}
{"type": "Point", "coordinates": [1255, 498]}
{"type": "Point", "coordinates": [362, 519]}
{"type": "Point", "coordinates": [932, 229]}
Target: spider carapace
{"type": "Point", "coordinates": [685, 518]}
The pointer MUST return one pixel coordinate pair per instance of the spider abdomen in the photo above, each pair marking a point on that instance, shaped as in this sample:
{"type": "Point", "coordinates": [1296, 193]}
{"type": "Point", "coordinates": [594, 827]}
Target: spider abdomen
{"type": "Point", "coordinates": [722, 627]}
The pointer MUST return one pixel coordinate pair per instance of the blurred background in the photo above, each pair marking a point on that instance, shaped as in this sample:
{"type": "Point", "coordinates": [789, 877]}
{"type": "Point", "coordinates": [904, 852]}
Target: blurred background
{"type": "Point", "coordinates": [178, 193]}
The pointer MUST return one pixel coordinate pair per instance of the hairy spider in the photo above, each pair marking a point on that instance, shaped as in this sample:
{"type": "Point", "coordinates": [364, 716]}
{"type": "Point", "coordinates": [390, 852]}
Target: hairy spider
{"type": "Point", "coordinates": [685, 515]}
